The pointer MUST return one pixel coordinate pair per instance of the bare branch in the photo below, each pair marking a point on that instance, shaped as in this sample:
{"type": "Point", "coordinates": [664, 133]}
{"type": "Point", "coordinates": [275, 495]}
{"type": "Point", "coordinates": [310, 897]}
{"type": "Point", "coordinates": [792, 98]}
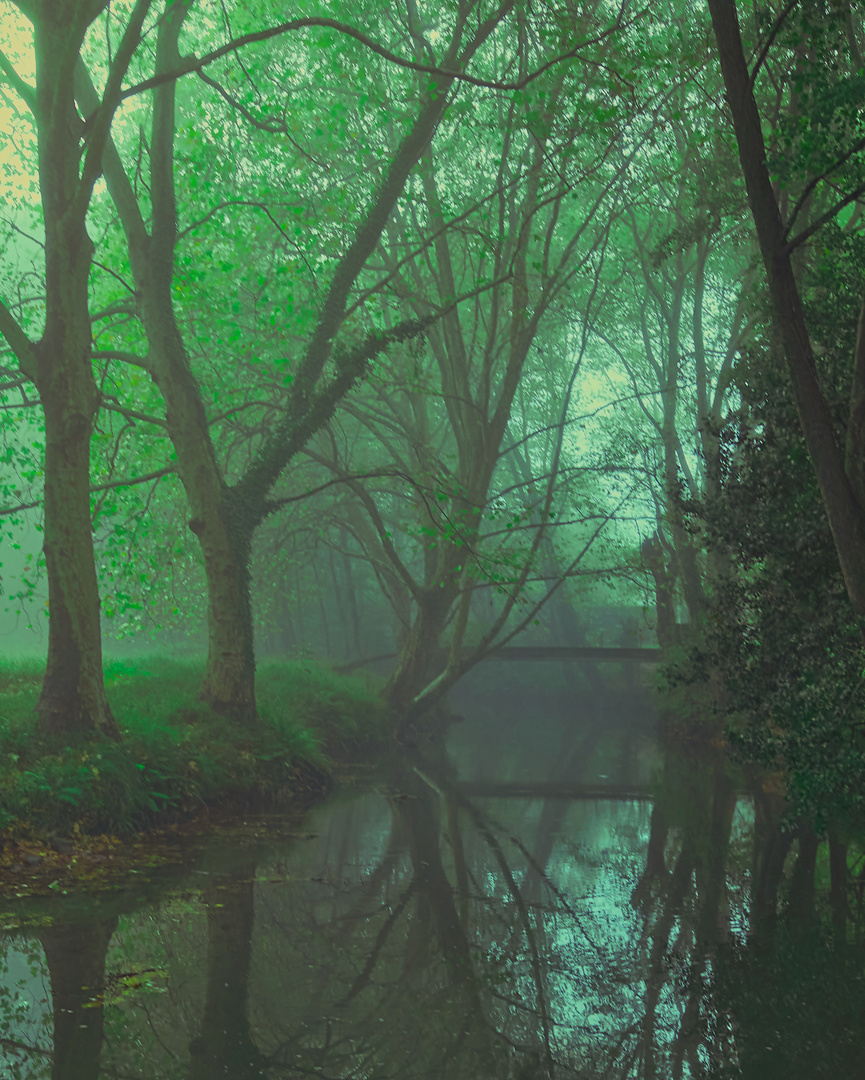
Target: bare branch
{"type": "Point", "coordinates": [429, 240]}
{"type": "Point", "coordinates": [15, 384]}
{"type": "Point", "coordinates": [21, 507]}
{"type": "Point", "coordinates": [24, 89]}
{"type": "Point", "coordinates": [112, 404]}
{"type": "Point", "coordinates": [836, 208]}
{"type": "Point", "coordinates": [236, 202]}
{"type": "Point", "coordinates": [116, 276]}
{"type": "Point", "coordinates": [19, 343]}
{"type": "Point", "coordinates": [241, 408]}
{"type": "Point", "coordinates": [119, 308]}
{"type": "Point", "coordinates": [348, 478]}
{"type": "Point", "coordinates": [195, 64]}
{"type": "Point", "coordinates": [773, 33]}
{"type": "Point", "coordinates": [815, 180]}
{"type": "Point", "coordinates": [126, 481]}
{"type": "Point", "coordinates": [115, 451]}
{"type": "Point", "coordinates": [123, 356]}
{"type": "Point", "coordinates": [273, 127]}
{"type": "Point", "coordinates": [16, 228]}
{"type": "Point", "coordinates": [131, 481]}
{"type": "Point", "coordinates": [99, 122]}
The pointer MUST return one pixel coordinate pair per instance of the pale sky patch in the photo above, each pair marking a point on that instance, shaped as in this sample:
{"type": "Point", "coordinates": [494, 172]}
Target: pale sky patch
{"type": "Point", "coordinates": [17, 173]}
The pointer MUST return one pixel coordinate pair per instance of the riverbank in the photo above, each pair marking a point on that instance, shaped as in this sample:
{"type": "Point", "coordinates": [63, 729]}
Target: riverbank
{"type": "Point", "coordinates": [85, 807]}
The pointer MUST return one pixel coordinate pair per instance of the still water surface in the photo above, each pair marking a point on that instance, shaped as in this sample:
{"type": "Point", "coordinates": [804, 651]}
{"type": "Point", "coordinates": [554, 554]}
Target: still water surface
{"type": "Point", "coordinates": [535, 900]}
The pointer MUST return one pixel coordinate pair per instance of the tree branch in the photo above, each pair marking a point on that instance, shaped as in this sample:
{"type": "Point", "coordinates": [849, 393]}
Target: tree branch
{"type": "Point", "coordinates": [111, 404]}
{"type": "Point", "coordinates": [195, 64]}
{"type": "Point", "coordinates": [791, 245]}
{"type": "Point", "coordinates": [815, 180]}
{"type": "Point", "coordinates": [131, 481]}
{"type": "Point", "coordinates": [773, 33]}
{"type": "Point", "coordinates": [123, 356]}
{"type": "Point", "coordinates": [19, 343]}
{"type": "Point", "coordinates": [236, 202]}
{"type": "Point", "coordinates": [126, 481]}
{"type": "Point", "coordinates": [295, 430]}
{"type": "Point", "coordinates": [24, 89]}
{"type": "Point", "coordinates": [99, 123]}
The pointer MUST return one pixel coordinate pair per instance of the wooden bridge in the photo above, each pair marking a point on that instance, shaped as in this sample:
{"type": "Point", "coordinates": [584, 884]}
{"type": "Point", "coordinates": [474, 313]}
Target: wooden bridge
{"type": "Point", "coordinates": [520, 653]}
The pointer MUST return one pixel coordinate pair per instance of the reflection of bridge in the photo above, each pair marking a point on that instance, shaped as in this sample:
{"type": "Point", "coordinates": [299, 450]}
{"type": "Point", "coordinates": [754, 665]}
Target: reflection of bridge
{"type": "Point", "coordinates": [529, 789]}
{"type": "Point", "coordinates": [598, 654]}
{"type": "Point", "coordinates": [576, 652]}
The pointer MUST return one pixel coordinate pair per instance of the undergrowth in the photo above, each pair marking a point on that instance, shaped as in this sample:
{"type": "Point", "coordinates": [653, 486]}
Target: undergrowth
{"type": "Point", "coordinates": [176, 755]}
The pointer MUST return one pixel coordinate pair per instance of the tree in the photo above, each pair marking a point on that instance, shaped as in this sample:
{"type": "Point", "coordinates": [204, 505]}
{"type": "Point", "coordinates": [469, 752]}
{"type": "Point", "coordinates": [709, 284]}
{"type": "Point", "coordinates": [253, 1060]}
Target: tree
{"type": "Point", "coordinates": [69, 157]}
{"type": "Point", "coordinates": [225, 516]}
{"type": "Point", "coordinates": [780, 628]}
{"type": "Point", "coordinates": [524, 239]}
{"type": "Point", "coordinates": [834, 164]}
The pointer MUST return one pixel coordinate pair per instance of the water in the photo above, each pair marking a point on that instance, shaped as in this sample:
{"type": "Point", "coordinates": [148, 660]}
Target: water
{"type": "Point", "coordinates": [508, 906]}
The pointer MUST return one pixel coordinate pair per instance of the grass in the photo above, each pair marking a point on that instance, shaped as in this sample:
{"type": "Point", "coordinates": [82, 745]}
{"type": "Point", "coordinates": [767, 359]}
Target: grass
{"type": "Point", "coordinates": [176, 756]}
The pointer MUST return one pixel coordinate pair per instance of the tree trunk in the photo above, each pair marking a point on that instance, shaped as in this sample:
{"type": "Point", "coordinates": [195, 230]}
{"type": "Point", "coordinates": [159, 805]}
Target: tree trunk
{"type": "Point", "coordinates": [229, 681]}
{"type": "Point", "coordinates": [417, 657]}
{"type": "Point", "coordinates": [221, 521]}
{"type": "Point", "coordinates": [802, 901]}
{"type": "Point", "coordinates": [838, 880]}
{"type": "Point", "coordinates": [843, 510]}
{"type": "Point", "coordinates": [73, 694]}
{"type": "Point", "coordinates": [353, 647]}
{"type": "Point", "coordinates": [225, 518]}
{"type": "Point", "coordinates": [770, 849]}
{"type": "Point", "coordinates": [653, 559]}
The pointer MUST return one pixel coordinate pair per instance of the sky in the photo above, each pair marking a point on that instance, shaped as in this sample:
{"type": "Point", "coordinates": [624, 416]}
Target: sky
{"type": "Point", "coordinates": [16, 180]}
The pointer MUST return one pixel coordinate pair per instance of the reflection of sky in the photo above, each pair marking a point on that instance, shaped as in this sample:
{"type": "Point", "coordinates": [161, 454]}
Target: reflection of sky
{"type": "Point", "coordinates": [322, 911]}
{"type": "Point", "coordinates": [25, 994]}
{"type": "Point", "coordinates": [590, 925]}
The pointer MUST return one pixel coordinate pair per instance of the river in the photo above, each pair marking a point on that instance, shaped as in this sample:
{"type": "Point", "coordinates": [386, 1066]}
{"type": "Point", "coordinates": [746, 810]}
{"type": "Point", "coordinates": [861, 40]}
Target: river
{"type": "Point", "coordinates": [544, 894]}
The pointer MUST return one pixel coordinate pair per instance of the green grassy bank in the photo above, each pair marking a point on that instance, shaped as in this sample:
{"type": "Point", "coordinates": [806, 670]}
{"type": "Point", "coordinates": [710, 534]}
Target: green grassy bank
{"type": "Point", "coordinates": [177, 757]}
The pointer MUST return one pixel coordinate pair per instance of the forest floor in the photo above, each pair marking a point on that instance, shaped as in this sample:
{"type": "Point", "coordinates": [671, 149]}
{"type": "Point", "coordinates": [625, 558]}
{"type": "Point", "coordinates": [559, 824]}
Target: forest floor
{"type": "Point", "coordinates": [87, 813]}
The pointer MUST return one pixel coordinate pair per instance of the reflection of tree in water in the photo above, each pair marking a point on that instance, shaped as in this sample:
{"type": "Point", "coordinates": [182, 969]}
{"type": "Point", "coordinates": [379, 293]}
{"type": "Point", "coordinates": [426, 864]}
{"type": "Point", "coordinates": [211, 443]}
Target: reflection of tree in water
{"type": "Point", "coordinates": [224, 1047]}
{"type": "Point", "coordinates": [74, 955]}
{"type": "Point", "coordinates": [683, 899]}
{"type": "Point", "coordinates": [433, 935]}
{"type": "Point", "coordinates": [796, 1007]}
{"type": "Point", "coordinates": [398, 985]}
{"type": "Point", "coordinates": [453, 966]}
{"type": "Point", "coordinates": [744, 976]}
